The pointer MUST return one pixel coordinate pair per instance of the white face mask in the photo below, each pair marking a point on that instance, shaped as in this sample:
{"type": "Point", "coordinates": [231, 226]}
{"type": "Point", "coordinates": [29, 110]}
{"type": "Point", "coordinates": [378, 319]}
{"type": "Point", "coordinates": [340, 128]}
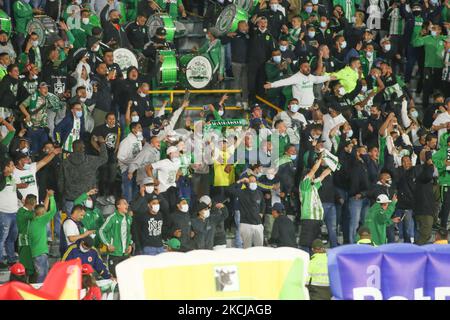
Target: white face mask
{"type": "Point", "coordinates": [311, 34]}
{"type": "Point", "coordinates": [349, 133]}
{"type": "Point", "coordinates": [387, 47]}
{"type": "Point", "coordinates": [262, 30]}
{"type": "Point", "coordinates": [323, 24]}
{"type": "Point", "coordinates": [142, 94]}
{"type": "Point", "coordinates": [274, 7]}
{"type": "Point", "coordinates": [253, 186]}
{"type": "Point", "coordinates": [206, 214]}
{"type": "Point", "coordinates": [149, 189]}
{"type": "Point", "coordinates": [283, 48]}
{"type": "Point", "coordinates": [434, 33]}
{"type": "Point", "coordinates": [34, 77]}
{"type": "Point", "coordinates": [134, 118]}
{"type": "Point", "coordinates": [184, 208]}
{"type": "Point", "coordinates": [364, 89]}
{"type": "Point", "coordinates": [220, 112]}
{"type": "Point", "coordinates": [369, 54]}
{"type": "Point", "coordinates": [26, 166]}
{"type": "Point", "coordinates": [85, 20]}
{"type": "Point", "coordinates": [139, 136]}
{"type": "Point", "coordinates": [24, 150]}
{"type": "Point", "coordinates": [294, 107]}
{"type": "Point", "coordinates": [270, 176]}
{"type": "Point", "coordinates": [343, 44]}
{"type": "Point", "coordinates": [83, 100]}
{"type": "Point", "coordinates": [35, 43]}
{"type": "Point", "coordinates": [96, 48]}
{"type": "Point", "coordinates": [341, 91]}
{"type": "Point", "coordinates": [155, 208]}
{"type": "Point", "coordinates": [83, 249]}
{"type": "Point", "coordinates": [89, 204]}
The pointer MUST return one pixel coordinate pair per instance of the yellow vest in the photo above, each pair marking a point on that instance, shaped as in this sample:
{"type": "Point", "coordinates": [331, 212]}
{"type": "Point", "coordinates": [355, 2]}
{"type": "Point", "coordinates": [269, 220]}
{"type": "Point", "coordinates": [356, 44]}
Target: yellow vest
{"type": "Point", "coordinates": [221, 178]}
{"type": "Point", "coordinates": [318, 270]}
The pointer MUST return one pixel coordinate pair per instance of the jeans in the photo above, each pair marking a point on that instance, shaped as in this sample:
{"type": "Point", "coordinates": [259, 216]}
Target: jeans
{"type": "Point", "coordinates": [68, 206]}
{"type": "Point", "coordinates": [8, 236]}
{"type": "Point", "coordinates": [129, 187]}
{"type": "Point", "coordinates": [185, 188]}
{"type": "Point", "coordinates": [38, 137]}
{"type": "Point", "coordinates": [358, 209]}
{"type": "Point", "coordinates": [153, 251]}
{"type": "Point", "coordinates": [342, 214]}
{"type": "Point", "coordinates": [237, 221]}
{"type": "Point", "coordinates": [406, 226]}
{"type": "Point", "coordinates": [330, 221]}
{"type": "Point", "coordinates": [41, 266]}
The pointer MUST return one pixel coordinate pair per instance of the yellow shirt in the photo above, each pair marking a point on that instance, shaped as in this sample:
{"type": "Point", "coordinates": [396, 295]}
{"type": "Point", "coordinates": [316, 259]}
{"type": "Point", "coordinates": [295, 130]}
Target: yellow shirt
{"type": "Point", "coordinates": [221, 178]}
{"type": "Point", "coordinates": [441, 242]}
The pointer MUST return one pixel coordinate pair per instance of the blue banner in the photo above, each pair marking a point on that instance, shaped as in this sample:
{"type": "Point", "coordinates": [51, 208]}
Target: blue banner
{"type": "Point", "coordinates": [390, 272]}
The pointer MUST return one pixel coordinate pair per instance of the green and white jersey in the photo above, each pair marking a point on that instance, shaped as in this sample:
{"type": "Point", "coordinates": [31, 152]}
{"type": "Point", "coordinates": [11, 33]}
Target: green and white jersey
{"type": "Point", "coordinates": [73, 135]}
{"type": "Point", "coordinates": [309, 196]}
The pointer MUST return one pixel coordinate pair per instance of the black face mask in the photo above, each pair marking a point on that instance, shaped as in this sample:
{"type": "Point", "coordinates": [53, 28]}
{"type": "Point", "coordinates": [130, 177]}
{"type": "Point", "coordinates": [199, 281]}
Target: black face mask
{"type": "Point", "coordinates": [116, 21]}
{"type": "Point", "coordinates": [3, 43]}
{"type": "Point", "coordinates": [417, 13]}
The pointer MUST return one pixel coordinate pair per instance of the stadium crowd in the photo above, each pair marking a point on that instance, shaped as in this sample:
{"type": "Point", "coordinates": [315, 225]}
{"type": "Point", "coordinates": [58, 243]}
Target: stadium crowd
{"type": "Point", "coordinates": [359, 151]}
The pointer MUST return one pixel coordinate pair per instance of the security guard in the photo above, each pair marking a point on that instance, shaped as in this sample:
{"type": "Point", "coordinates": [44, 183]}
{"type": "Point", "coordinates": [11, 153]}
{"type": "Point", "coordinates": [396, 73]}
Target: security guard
{"type": "Point", "coordinates": [137, 32]}
{"type": "Point", "coordinates": [365, 237]}
{"type": "Point", "coordinates": [319, 283]}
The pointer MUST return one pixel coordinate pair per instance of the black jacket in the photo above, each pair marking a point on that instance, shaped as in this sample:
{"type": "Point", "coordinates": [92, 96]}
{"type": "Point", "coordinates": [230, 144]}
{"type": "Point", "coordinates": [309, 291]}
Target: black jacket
{"type": "Point", "coordinates": [327, 192]}
{"type": "Point", "coordinates": [12, 93]}
{"type": "Point", "coordinates": [283, 232]}
{"type": "Point", "coordinates": [137, 35]}
{"type": "Point", "coordinates": [203, 234]}
{"type": "Point", "coordinates": [359, 179]}
{"type": "Point", "coordinates": [373, 168]}
{"type": "Point", "coordinates": [377, 189]}
{"type": "Point", "coordinates": [423, 193]}
{"type": "Point", "coordinates": [406, 183]}
{"type": "Point", "coordinates": [182, 221]}
{"type": "Point", "coordinates": [239, 47]}
{"type": "Point", "coordinates": [218, 217]}
{"type": "Point", "coordinates": [265, 44]}
{"type": "Point", "coordinates": [104, 95]}
{"type": "Point", "coordinates": [251, 203]}
{"type": "Point", "coordinates": [111, 33]}
{"type": "Point", "coordinates": [79, 173]}
{"type": "Point", "coordinates": [275, 20]}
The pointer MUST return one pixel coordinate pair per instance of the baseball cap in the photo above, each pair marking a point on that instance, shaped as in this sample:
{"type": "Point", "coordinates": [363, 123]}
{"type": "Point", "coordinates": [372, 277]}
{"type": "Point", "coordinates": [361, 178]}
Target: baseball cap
{"type": "Point", "coordinates": [202, 206]}
{"type": "Point", "coordinates": [147, 180]}
{"type": "Point", "coordinates": [205, 199]}
{"type": "Point", "coordinates": [88, 242]}
{"type": "Point", "coordinates": [173, 243]}
{"type": "Point", "coordinates": [317, 244]}
{"type": "Point", "coordinates": [161, 31]}
{"type": "Point", "coordinates": [382, 198]}
{"type": "Point", "coordinates": [172, 149]}
{"type": "Point", "coordinates": [87, 269]}
{"type": "Point", "coordinates": [17, 269]}
{"type": "Point", "coordinates": [278, 207]}
{"type": "Point", "coordinates": [43, 84]}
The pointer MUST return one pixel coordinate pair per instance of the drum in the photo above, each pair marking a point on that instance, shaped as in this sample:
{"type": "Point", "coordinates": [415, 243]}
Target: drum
{"type": "Point", "coordinates": [125, 59]}
{"type": "Point", "coordinates": [5, 22]}
{"type": "Point", "coordinates": [197, 71]}
{"type": "Point", "coordinates": [44, 26]}
{"type": "Point", "coordinates": [247, 5]}
{"type": "Point", "coordinates": [155, 21]}
{"type": "Point", "coordinates": [167, 75]}
{"type": "Point", "coordinates": [229, 18]}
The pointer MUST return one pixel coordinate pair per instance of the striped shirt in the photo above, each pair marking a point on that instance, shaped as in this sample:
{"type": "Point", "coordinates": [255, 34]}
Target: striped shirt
{"type": "Point", "coordinates": [395, 22]}
{"type": "Point", "coordinates": [309, 196]}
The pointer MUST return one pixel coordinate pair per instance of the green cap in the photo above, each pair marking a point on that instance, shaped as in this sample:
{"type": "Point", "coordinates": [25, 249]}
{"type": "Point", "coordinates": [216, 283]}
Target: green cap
{"type": "Point", "coordinates": [317, 244]}
{"type": "Point", "coordinates": [173, 243]}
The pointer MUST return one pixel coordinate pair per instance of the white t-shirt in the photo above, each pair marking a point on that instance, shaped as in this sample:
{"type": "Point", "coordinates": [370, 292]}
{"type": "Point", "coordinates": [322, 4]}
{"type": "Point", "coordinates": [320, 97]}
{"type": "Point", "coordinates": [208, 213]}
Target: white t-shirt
{"type": "Point", "coordinates": [70, 229]}
{"type": "Point", "coordinates": [328, 124]}
{"type": "Point", "coordinates": [166, 172]}
{"type": "Point", "coordinates": [441, 119]}
{"type": "Point", "coordinates": [8, 197]}
{"type": "Point", "coordinates": [27, 176]}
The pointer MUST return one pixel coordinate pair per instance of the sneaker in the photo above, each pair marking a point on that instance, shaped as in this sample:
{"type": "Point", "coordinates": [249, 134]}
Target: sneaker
{"type": "Point", "coordinates": [239, 104]}
{"type": "Point", "coordinates": [245, 105]}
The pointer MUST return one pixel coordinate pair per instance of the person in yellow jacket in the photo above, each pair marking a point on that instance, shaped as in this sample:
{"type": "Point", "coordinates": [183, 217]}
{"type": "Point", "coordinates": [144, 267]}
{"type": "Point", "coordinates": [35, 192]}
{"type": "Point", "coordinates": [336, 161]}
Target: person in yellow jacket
{"type": "Point", "coordinates": [350, 75]}
{"type": "Point", "coordinates": [318, 282]}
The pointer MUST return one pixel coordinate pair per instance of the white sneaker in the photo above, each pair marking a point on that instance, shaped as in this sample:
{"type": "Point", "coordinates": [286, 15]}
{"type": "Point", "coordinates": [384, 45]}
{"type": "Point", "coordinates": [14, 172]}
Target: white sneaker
{"type": "Point", "coordinates": [239, 104]}
{"type": "Point", "coordinates": [245, 105]}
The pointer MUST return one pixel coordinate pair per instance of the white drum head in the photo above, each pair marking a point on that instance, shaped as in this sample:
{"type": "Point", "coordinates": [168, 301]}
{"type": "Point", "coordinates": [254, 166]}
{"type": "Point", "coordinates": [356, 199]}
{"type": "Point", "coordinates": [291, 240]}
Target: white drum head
{"type": "Point", "coordinates": [199, 72]}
